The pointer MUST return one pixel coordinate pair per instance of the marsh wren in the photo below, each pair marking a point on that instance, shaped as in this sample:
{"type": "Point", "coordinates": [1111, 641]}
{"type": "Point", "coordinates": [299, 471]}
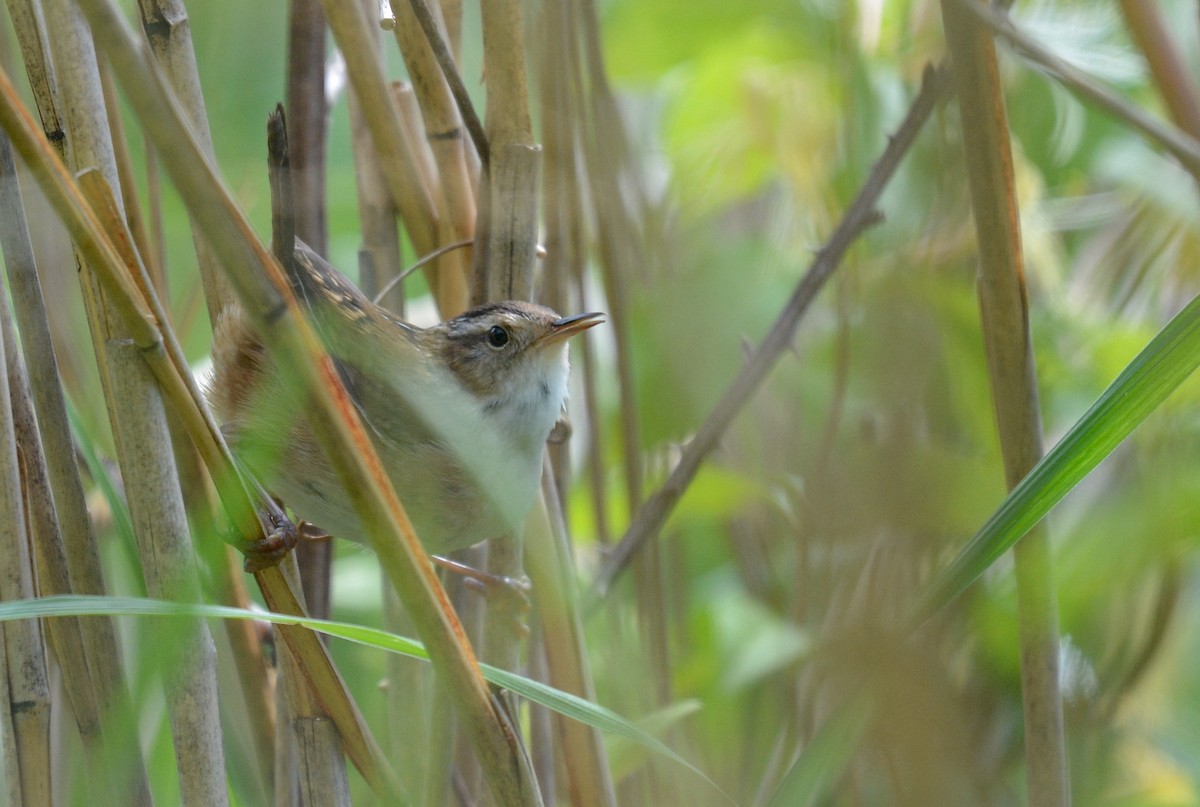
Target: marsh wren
{"type": "Point", "coordinates": [459, 412]}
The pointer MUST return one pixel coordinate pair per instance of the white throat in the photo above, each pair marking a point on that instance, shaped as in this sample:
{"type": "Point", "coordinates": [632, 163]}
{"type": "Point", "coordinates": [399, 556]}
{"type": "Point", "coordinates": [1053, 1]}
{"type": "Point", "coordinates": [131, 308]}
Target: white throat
{"type": "Point", "coordinates": [532, 400]}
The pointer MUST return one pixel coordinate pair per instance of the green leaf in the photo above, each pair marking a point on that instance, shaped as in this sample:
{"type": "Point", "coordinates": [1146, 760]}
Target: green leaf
{"type": "Point", "coordinates": [1142, 386]}
{"type": "Point", "coordinates": [556, 700]}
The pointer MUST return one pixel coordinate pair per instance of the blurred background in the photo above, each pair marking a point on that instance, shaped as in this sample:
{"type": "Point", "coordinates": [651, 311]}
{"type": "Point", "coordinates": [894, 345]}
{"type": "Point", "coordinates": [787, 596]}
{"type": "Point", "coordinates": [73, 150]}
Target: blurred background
{"type": "Point", "coordinates": [870, 455]}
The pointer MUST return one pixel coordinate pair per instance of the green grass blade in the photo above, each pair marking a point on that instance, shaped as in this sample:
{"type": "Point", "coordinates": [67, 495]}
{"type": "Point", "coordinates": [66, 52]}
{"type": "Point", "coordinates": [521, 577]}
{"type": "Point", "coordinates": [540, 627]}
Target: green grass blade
{"type": "Point", "coordinates": [1154, 374]}
{"type": "Point", "coordinates": [556, 700]}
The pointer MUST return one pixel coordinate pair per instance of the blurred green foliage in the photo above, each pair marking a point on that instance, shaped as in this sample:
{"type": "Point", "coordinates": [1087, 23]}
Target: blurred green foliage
{"type": "Point", "coordinates": [872, 453]}
{"type": "Point", "coordinates": [871, 456]}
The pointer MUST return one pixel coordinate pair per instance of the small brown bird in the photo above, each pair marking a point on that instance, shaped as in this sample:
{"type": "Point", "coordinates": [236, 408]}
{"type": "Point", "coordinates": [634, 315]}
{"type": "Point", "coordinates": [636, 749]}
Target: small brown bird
{"type": "Point", "coordinates": [459, 412]}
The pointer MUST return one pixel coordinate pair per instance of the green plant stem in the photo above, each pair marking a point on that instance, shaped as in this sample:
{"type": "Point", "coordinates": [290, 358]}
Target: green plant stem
{"type": "Point", "coordinates": [1005, 321]}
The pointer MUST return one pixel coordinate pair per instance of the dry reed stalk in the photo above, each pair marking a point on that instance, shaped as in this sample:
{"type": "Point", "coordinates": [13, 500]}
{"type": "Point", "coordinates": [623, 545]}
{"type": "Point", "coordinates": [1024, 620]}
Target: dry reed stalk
{"type": "Point", "coordinates": [138, 419]}
{"type": "Point", "coordinates": [606, 153]}
{"type": "Point", "coordinates": [319, 765]}
{"type": "Point", "coordinates": [548, 558]}
{"type": "Point", "coordinates": [586, 776]}
{"type": "Point", "coordinates": [317, 738]}
{"type": "Point", "coordinates": [452, 14]}
{"type": "Point", "coordinates": [87, 233]}
{"type": "Point", "coordinates": [29, 25]}
{"type": "Point", "coordinates": [444, 140]}
{"type": "Point", "coordinates": [308, 115]}
{"type": "Point", "coordinates": [380, 250]}
{"type": "Point", "coordinates": [410, 119]}
{"type": "Point", "coordinates": [132, 210]}
{"type": "Point", "coordinates": [85, 648]}
{"type": "Point", "coordinates": [414, 200]}
{"type": "Point", "coordinates": [1182, 147]}
{"type": "Point", "coordinates": [1005, 321]}
{"type": "Point", "coordinates": [255, 673]}
{"type": "Point", "coordinates": [1167, 65]}
{"type": "Point", "coordinates": [165, 23]}
{"type": "Point", "coordinates": [9, 755]}
{"type": "Point", "coordinates": [27, 689]}
{"type": "Point", "coordinates": [164, 543]}
{"type": "Point", "coordinates": [506, 247]}
{"type": "Point", "coordinates": [448, 63]}
{"type": "Point", "coordinates": [268, 302]}
{"type": "Point", "coordinates": [506, 244]}
{"type": "Point", "coordinates": [316, 769]}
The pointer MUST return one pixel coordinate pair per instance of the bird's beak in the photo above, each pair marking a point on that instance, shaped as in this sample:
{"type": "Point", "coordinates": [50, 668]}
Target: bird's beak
{"type": "Point", "coordinates": [566, 327]}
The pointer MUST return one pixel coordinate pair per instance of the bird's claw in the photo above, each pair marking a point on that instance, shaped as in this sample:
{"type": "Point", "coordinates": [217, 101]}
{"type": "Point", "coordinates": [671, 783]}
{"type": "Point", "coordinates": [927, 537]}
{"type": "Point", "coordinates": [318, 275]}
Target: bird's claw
{"type": "Point", "coordinates": [278, 537]}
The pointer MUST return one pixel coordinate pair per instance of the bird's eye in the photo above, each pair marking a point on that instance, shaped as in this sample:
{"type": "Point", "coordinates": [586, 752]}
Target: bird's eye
{"type": "Point", "coordinates": [497, 336]}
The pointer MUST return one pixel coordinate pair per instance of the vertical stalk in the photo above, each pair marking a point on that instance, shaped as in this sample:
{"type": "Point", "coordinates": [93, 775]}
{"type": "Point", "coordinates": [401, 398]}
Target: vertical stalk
{"type": "Point", "coordinates": [307, 116]}
{"type": "Point", "coordinates": [1167, 65]}
{"type": "Point", "coordinates": [445, 139]}
{"type": "Point", "coordinates": [1005, 318]}
{"type": "Point", "coordinates": [88, 233]}
{"type": "Point", "coordinates": [586, 775]}
{"type": "Point", "coordinates": [143, 442]}
{"type": "Point", "coordinates": [273, 311]}
{"type": "Point", "coordinates": [27, 706]}
{"type": "Point", "coordinates": [505, 254]}
{"type": "Point", "coordinates": [165, 23]}
{"type": "Point", "coordinates": [397, 159]}
{"type": "Point", "coordinates": [68, 560]}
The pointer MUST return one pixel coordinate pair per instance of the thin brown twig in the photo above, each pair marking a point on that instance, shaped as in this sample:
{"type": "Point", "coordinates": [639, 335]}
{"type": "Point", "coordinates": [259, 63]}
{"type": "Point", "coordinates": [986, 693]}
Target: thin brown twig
{"type": "Point", "coordinates": [432, 256]}
{"type": "Point", "coordinates": [651, 516]}
{"type": "Point", "coordinates": [1183, 148]}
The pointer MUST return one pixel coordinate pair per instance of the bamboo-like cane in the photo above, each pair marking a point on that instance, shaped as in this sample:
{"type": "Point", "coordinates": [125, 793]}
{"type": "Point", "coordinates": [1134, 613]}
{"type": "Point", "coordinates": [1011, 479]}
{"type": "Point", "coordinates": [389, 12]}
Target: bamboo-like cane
{"type": "Point", "coordinates": [1004, 311]}
{"type": "Point", "coordinates": [335, 421]}
{"type": "Point", "coordinates": [27, 705]}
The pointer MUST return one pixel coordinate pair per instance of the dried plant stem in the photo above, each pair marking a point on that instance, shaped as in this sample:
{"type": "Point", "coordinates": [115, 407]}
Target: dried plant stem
{"type": "Point", "coordinates": [446, 61]}
{"type": "Point", "coordinates": [585, 770]}
{"type": "Point", "coordinates": [548, 559]}
{"type": "Point", "coordinates": [379, 260]}
{"type": "Point", "coordinates": [308, 116]}
{"type": "Point", "coordinates": [1179, 145]}
{"type": "Point", "coordinates": [166, 26]}
{"type": "Point", "coordinates": [27, 705]}
{"type": "Point", "coordinates": [649, 519]}
{"type": "Point", "coordinates": [143, 443]}
{"type": "Point", "coordinates": [320, 766]}
{"type": "Point", "coordinates": [88, 234]}
{"type": "Point", "coordinates": [267, 300]}
{"type": "Point", "coordinates": [444, 139]}
{"type": "Point", "coordinates": [67, 556]}
{"type": "Point", "coordinates": [507, 239]}
{"type": "Point", "coordinates": [131, 209]}
{"type": "Point", "coordinates": [1005, 318]}
{"type": "Point", "coordinates": [355, 36]}
{"type": "Point", "coordinates": [27, 20]}
{"type": "Point", "coordinates": [1167, 65]}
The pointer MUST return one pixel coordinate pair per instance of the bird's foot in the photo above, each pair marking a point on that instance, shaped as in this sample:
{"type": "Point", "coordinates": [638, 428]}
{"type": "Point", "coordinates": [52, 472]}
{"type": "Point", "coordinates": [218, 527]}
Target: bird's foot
{"type": "Point", "coordinates": [511, 593]}
{"type": "Point", "coordinates": [278, 537]}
